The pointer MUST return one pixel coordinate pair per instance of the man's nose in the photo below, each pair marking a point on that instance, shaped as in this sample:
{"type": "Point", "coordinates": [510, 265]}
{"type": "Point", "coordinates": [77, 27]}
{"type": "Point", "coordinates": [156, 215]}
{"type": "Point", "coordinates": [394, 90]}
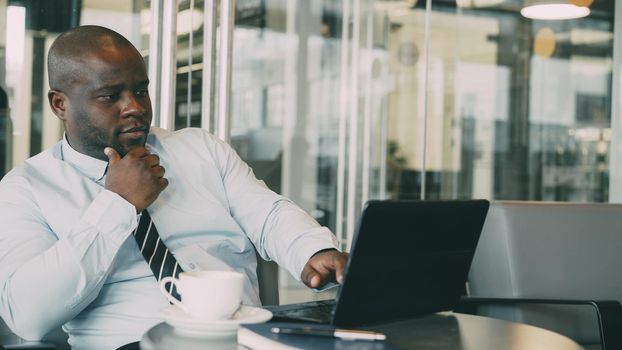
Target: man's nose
{"type": "Point", "coordinates": [132, 106]}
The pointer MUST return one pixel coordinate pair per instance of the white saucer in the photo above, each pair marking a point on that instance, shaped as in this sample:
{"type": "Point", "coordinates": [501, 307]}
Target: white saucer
{"type": "Point", "coordinates": [188, 325]}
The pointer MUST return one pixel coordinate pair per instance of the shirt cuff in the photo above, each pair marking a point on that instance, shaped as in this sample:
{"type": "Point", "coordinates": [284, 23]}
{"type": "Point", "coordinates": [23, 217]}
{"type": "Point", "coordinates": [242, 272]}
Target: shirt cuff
{"type": "Point", "coordinates": [112, 215]}
{"type": "Point", "coordinates": [309, 244]}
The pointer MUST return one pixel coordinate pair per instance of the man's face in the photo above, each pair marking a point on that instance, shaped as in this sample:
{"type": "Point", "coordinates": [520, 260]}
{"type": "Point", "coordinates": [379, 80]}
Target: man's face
{"type": "Point", "coordinates": [108, 105]}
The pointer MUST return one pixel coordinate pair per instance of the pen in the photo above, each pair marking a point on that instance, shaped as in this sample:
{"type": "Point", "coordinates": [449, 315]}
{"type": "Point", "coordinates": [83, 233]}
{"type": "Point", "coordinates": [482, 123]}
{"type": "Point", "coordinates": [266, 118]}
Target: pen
{"type": "Point", "coordinates": [348, 334]}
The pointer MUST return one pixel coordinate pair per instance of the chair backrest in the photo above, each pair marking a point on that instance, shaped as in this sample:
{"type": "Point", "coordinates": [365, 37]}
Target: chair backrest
{"type": "Point", "coordinates": [268, 278]}
{"type": "Point", "coordinates": [550, 250]}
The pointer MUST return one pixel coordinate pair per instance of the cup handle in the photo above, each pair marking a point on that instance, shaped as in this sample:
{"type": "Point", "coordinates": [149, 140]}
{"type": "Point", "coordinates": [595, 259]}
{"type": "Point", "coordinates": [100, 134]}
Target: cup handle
{"type": "Point", "coordinates": [169, 297]}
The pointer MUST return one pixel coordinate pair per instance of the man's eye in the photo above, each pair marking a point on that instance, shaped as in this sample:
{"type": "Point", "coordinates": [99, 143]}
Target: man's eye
{"type": "Point", "coordinates": [106, 98]}
{"type": "Point", "coordinates": [142, 92]}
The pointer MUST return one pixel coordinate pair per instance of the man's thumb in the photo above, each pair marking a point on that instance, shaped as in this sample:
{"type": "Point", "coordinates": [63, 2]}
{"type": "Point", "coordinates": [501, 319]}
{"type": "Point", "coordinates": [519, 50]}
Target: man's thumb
{"type": "Point", "coordinates": [112, 154]}
{"type": "Point", "coordinates": [315, 280]}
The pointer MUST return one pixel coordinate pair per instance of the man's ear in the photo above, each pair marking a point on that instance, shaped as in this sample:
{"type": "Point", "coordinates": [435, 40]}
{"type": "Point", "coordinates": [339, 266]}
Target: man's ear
{"type": "Point", "coordinates": [58, 103]}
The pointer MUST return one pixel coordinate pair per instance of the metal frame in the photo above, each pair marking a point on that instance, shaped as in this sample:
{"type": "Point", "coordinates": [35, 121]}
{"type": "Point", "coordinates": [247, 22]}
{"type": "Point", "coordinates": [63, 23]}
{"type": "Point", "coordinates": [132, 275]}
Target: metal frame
{"type": "Point", "coordinates": [208, 98]}
{"type": "Point", "coordinates": [189, 73]}
{"type": "Point", "coordinates": [353, 101]}
{"type": "Point", "coordinates": [343, 111]}
{"type": "Point", "coordinates": [615, 149]}
{"type": "Point", "coordinates": [163, 62]}
{"type": "Point", "coordinates": [227, 22]}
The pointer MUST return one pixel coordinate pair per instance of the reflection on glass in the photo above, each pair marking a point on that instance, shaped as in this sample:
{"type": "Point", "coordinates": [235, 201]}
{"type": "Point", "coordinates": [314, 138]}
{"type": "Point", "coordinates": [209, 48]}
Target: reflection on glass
{"type": "Point", "coordinates": [329, 90]}
{"type": "Point", "coordinates": [16, 25]}
{"type": "Point", "coordinates": [285, 102]}
{"type": "Point", "coordinates": [15, 91]}
{"type": "Point", "coordinates": [31, 28]}
{"type": "Point", "coordinates": [305, 112]}
{"type": "Point", "coordinates": [519, 108]}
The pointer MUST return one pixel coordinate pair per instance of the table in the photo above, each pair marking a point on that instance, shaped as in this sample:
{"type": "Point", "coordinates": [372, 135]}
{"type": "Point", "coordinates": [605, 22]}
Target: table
{"type": "Point", "coordinates": [439, 331]}
{"type": "Point", "coordinates": [162, 336]}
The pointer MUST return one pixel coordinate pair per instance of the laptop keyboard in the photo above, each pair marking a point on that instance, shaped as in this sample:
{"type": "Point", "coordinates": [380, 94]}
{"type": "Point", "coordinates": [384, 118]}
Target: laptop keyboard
{"type": "Point", "coordinates": [319, 311]}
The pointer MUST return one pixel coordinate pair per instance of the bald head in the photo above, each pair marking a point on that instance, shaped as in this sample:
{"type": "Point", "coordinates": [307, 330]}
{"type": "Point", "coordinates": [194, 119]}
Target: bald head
{"type": "Point", "coordinates": [99, 90]}
{"type": "Point", "coordinates": [73, 46]}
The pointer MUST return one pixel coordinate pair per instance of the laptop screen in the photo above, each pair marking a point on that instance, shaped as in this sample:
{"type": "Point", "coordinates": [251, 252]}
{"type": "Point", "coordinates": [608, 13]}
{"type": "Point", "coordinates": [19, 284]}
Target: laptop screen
{"type": "Point", "coordinates": [408, 258]}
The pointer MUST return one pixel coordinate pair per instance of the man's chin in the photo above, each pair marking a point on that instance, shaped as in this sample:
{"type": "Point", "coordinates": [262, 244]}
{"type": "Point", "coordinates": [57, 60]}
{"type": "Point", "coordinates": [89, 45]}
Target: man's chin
{"type": "Point", "coordinates": [125, 149]}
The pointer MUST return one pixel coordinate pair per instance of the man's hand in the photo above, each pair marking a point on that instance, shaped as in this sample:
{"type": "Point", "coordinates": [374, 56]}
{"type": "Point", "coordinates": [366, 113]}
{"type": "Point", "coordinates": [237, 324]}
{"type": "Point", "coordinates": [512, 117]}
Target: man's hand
{"type": "Point", "coordinates": [323, 267]}
{"type": "Point", "coordinates": [138, 177]}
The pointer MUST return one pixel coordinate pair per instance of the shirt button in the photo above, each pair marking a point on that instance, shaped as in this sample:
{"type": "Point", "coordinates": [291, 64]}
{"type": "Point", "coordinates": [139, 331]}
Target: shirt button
{"type": "Point", "coordinates": [192, 266]}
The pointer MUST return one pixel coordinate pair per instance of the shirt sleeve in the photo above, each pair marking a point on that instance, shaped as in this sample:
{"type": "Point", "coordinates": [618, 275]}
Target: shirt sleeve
{"type": "Point", "coordinates": [46, 281]}
{"type": "Point", "coordinates": [279, 229]}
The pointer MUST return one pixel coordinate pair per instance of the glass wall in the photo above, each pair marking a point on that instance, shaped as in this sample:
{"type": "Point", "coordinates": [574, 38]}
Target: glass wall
{"type": "Point", "coordinates": [308, 94]}
{"type": "Point", "coordinates": [335, 102]}
{"type": "Point", "coordinates": [306, 110]}
{"type": "Point", "coordinates": [27, 29]}
{"type": "Point", "coordinates": [513, 108]}
{"type": "Point", "coordinates": [296, 112]}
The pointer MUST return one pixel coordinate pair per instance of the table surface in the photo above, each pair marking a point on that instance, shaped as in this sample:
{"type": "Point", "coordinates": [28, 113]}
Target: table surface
{"type": "Point", "coordinates": [434, 332]}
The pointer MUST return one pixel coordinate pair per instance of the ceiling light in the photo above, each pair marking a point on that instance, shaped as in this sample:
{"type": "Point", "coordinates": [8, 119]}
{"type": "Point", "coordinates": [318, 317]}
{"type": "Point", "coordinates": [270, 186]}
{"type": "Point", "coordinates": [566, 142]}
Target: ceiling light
{"type": "Point", "coordinates": [553, 10]}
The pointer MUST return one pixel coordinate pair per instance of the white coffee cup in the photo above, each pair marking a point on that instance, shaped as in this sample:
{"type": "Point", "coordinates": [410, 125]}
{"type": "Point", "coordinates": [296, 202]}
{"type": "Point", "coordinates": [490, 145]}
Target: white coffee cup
{"type": "Point", "coordinates": [206, 295]}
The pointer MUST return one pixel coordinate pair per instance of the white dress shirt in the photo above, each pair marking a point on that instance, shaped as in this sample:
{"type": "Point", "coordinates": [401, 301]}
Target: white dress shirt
{"type": "Point", "coordinates": [68, 257]}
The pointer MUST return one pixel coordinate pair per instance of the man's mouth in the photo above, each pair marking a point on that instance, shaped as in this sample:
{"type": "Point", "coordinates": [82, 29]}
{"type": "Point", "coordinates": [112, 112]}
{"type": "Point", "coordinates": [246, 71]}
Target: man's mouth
{"type": "Point", "coordinates": [134, 133]}
{"type": "Point", "coordinates": [135, 129]}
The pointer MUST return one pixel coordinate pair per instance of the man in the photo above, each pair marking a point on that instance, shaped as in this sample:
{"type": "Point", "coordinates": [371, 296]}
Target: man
{"type": "Point", "coordinates": [67, 253]}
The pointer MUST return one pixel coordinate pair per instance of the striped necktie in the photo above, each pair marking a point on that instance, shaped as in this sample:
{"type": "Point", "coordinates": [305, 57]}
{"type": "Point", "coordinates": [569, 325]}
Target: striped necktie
{"type": "Point", "coordinates": [160, 259]}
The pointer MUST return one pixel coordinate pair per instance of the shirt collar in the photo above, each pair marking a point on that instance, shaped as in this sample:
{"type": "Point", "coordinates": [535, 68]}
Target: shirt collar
{"type": "Point", "coordinates": [93, 168]}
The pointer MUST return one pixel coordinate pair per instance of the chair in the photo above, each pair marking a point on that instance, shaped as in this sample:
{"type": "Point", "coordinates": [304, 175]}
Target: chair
{"type": "Point", "coordinates": [551, 265]}
{"type": "Point", "coordinates": [268, 278]}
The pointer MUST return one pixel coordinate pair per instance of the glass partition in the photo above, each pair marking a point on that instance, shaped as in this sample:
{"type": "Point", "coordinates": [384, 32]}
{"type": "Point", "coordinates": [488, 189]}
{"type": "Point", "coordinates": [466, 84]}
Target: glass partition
{"type": "Point", "coordinates": [336, 102]}
{"type": "Point", "coordinates": [517, 108]}
{"type": "Point", "coordinates": [302, 100]}
{"type": "Point", "coordinates": [30, 27]}
{"type": "Point", "coordinates": [307, 102]}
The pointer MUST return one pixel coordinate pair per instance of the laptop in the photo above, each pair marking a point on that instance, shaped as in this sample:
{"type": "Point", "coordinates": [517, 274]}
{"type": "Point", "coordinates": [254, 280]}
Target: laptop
{"type": "Point", "coordinates": [407, 258]}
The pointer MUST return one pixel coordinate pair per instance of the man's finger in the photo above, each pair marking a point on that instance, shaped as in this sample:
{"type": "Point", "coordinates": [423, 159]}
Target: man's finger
{"type": "Point", "coordinates": [323, 267]}
{"type": "Point", "coordinates": [139, 152]}
{"type": "Point", "coordinates": [153, 160]}
{"type": "Point", "coordinates": [342, 259]}
{"type": "Point", "coordinates": [158, 170]}
{"type": "Point", "coordinates": [339, 267]}
{"type": "Point", "coordinates": [310, 276]}
{"type": "Point", "coordinates": [112, 154]}
{"type": "Point", "coordinates": [316, 281]}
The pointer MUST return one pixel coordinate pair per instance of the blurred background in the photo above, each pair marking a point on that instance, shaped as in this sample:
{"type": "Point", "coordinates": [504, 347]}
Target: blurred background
{"type": "Point", "coordinates": [335, 102]}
